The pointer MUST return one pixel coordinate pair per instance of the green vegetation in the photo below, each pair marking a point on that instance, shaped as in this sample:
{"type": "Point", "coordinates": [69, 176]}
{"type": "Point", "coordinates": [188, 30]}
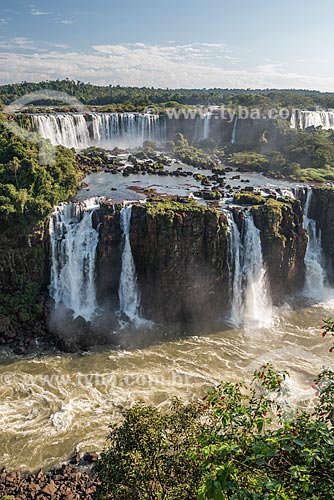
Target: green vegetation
{"type": "Point", "coordinates": [29, 189]}
{"type": "Point", "coordinates": [301, 155]}
{"type": "Point", "coordinates": [249, 160]}
{"type": "Point", "coordinates": [192, 155]}
{"type": "Point", "coordinates": [245, 442]}
{"type": "Point", "coordinates": [116, 98]}
{"type": "Point", "coordinates": [149, 456]}
{"type": "Point", "coordinates": [248, 199]}
{"type": "Point", "coordinates": [162, 206]}
{"type": "Point", "coordinates": [169, 208]}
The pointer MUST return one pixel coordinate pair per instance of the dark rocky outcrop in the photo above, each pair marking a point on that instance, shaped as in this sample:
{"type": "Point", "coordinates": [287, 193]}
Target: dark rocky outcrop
{"type": "Point", "coordinates": [265, 134]}
{"type": "Point", "coordinates": [181, 262]}
{"type": "Point", "coordinates": [69, 482]}
{"type": "Point", "coordinates": [24, 277]}
{"type": "Point", "coordinates": [284, 242]}
{"type": "Point", "coordinates": [322, 211]}
{"type": "Point", "coordinates": [180, 256]}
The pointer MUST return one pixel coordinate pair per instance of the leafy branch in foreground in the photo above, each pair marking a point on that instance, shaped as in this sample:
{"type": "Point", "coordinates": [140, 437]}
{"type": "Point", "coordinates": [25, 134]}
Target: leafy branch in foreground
{"type": "Point", "coordinates": [242, 442]}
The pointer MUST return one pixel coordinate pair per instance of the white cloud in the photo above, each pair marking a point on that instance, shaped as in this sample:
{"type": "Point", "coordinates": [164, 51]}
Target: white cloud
{"type": "Point", "coordinates": [23, 43]}
{"type": "Point", "coordinates": [35, 12]}
{"type": "Point", "coordinates": [4, 20]}
{"type": "Point", "coordinates": [189, 65]}
{"type": "Point", "coordinates": [19, 43]}
{"type": "Point", "coordinates": [66, 21]}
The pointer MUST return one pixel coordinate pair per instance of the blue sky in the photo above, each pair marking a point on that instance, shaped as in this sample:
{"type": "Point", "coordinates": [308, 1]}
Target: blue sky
{"type": "Point", "coordinates": [175, 43]}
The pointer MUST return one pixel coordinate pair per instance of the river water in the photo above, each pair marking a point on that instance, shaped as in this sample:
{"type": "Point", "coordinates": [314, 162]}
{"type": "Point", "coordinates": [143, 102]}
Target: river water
{"type": "Point", "coordinates": [53, 403]}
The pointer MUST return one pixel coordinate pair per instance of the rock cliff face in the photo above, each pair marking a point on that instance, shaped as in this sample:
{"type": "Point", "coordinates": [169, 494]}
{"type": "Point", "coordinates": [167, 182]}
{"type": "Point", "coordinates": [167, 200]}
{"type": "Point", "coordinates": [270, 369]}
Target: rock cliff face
{"type": "Point", "coordinates": [24, 277]}
{"type": "Point", "coordinates": [249, 132]}
{"type": "Point", "coordinates": [284, 242]}
{"type": "Point", "coordinates": [181, 257]}
{"type": "Point", "coordinates": [181, 263]}
{"type": "Point", "coordinates": [322, 211]}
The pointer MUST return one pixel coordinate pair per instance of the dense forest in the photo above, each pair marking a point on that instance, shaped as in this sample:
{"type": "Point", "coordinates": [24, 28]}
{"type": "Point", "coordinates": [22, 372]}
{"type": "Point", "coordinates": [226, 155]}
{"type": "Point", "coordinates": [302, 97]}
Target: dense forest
{"type": "Point", "coordinates": [29, 189]}
{"type": "Point", "coordinates": [130, 97]}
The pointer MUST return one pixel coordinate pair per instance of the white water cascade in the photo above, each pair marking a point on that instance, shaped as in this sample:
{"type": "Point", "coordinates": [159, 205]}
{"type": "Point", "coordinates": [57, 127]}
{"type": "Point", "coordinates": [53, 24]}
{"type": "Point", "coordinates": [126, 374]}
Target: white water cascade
{"type": "Point", "coordinates": [78, 130]}
{"type": "Point", "coordinates": [234, 131]}
{"type": "Point", "coordinates": [129, 296]}
{"type": "Point", "coordinates": [202, 127]}
{"type": "Point", "coordinates": [73, 241]}
{"type": "Point", "coordinates": [235, 264]}
{"type": "Point", "coordinates": [251, 302]}
{"type": "Point", "coordinates": [315, 280]}
{"type": "Point", "coordinates": [206, 125]}
{"type": "Point", "coordinates": [303, 119]}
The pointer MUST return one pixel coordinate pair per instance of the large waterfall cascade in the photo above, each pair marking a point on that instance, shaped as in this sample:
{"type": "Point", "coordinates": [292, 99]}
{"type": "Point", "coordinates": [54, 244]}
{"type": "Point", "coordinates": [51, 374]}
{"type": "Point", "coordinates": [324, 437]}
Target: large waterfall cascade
{"type": "Point", "coordinates": [316, 287]}
{"type": "Point", "coordinates": [74, 240]}
{"type": "Point", "coordinates": [303, 119]}
{"type": "Point", "coordinates": [129, 296]}
{"type": "Point", "coordinates": [78, 130]}
{"type": "Point", "coordinates": [251, 301]}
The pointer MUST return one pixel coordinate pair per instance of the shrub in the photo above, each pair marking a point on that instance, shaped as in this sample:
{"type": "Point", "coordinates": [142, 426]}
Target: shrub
{"type": "Point", "coordinates": [148, 457]}
{"type": "Point", "coordinates": [243, 442]}
{"type": "Point", "coordinates": [248, 199]}
{"type": "Point", "coordinates": [249, 160]}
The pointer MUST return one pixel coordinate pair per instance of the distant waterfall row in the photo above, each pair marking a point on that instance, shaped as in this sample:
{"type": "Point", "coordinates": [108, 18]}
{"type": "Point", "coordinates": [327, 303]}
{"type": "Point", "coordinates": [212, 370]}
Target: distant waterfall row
{"type": "Point", "coordinates": [78, 130]}
{"type": "Point", "coordinates": [303, 119]}
{"type": "Point", "coordinates": [204, 127]}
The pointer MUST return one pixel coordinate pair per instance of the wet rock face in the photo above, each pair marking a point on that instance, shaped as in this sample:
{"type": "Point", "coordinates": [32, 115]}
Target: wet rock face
{"type": "Point", "coordinates": [181, 265]}
{"type": "Point", "coordinates": [322, 211]}
{"type": "Point", "coordinates": [24, 277]}
{"type": "Point", "coordinates": [180, 259]}
{"type": "Point", "coordinates": [109, 257]}
{"type": "Point", "coordinates": [249, 132]}
{"type": "Point", "coordinates": [284, 242]}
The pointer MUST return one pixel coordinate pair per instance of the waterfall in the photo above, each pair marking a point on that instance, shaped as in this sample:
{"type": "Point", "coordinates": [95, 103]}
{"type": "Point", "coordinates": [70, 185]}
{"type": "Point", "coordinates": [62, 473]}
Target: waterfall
{"type": "Point", "coordinates": [206, 125]}
{"type": "Point", "coordinates": [129, 297]}
{"type": "Point", "coordinates": [73, 241]}
{"type": "Point", "coordinates": [293, 120]}
{"type": "Point", "coordinates": [234, 131]}
{"type": "Point", "coordinates": [235, 264]}
{"type": "Point", "coordinates": [78, 130]}
{"type": "Point", "coordinates": [303, 119]}
{"type": "Point", "coordinates": [202, 127]}
{"type": "Point", "coordinates": [257, 303]}
{"type": "Point", "coordinates": [251, 302]}
{"type": "Point", "coordinates": [315, 280]}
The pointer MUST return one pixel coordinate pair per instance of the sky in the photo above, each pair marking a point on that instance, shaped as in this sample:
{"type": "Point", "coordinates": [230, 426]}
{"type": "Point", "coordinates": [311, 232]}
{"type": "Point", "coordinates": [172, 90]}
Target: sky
{"type": "Point", "coordinates": [174, 43]}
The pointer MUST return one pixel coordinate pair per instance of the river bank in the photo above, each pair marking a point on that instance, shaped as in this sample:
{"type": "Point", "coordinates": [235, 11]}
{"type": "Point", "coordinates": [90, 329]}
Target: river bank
{"type": "Point", "coordinates": [68, 482]}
